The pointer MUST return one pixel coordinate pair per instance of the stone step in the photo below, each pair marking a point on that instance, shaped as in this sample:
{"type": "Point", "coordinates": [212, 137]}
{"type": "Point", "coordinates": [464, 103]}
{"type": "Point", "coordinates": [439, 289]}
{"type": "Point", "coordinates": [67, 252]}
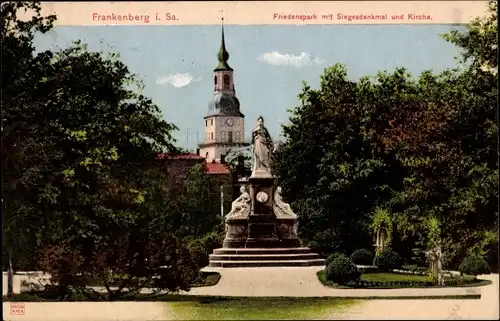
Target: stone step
{"type": "Point", "coordinates": [251, 251]}
{"type": "Point", "coordinates": [277, 263]}
{"type": "Point", "coordinates": [263, 257]}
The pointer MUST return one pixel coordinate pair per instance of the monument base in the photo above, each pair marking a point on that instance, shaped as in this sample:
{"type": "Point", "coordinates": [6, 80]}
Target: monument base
{"type": "Point", "coordinates": [236, 233]}
{"type": "Point", "coordinates": [262, 232]}
{"type": "Point", "coordinates": [287, 231]}
{"type": "Point", "coordinates": [262, 242]}
{"type": "Point", "coordinates": [264, 257]}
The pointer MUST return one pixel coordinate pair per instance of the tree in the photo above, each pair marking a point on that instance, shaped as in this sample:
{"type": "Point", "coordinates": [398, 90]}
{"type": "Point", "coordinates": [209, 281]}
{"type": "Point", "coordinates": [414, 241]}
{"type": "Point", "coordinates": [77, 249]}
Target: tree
{"type": "Point", "coordinates": [478, 199]}
{"type": "Point", "coordinates": [423, 148]}
{"type": "Point", "coordinates": [200, 203]}
{"type": "Point", "coordinates": [19, 164]}
{"type": "Point", "coordinates": [94, 184]}
{"type": "Point", "coordinates": [331, 164]}
{"type": "Point", "coordinates": [447, 145]}
{"type": "Point", "coordinates": [240, 163]}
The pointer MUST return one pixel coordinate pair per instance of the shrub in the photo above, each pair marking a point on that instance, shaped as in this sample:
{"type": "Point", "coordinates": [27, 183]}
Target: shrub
{"type": "Point", "coordinates": [213, 240]}
{"type": "Point", "coordinates": [474, 265]}
{"type": "Point", "coordinates": [331, 257]}
{"type": "Point", "coordinates": [342, 270]}
{"type": "Point", "coordinates": [199, 252]}
{"type": "Point", "coordinates": [362, 257]}
{"type": "Point", "coordinates": [491, 256]}
{"type": "Point", "coordinates": [201, 248]}
{"type": "Point", "coordinates": [388, 260]}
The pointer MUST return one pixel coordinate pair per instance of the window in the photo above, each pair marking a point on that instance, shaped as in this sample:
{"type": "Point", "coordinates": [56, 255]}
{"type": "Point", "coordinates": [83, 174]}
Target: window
{"type": "Point", "coordinates": [206, 123]}
{"type": "Point", "coordinates": [206, 155]}
{"type": "Point", "coordinates": [227, 81]}
{"type": "Point", "coordinates": [212, 136]}
{"type": "Point", "coordinates": [230, 136]}
{"type": "Point", "coordinates": [223, 136]}
{"type": "Point", "coordinates": [211, 122]}
{"type": "Point", "coordinates": [215, 80]}
{"type": "Point", "coordinates": [237, 136]}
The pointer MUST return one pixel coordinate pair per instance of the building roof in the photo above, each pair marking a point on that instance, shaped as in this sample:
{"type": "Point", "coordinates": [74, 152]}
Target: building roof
{"type": "Point", "coordinates": [181, 156]}
{"type": "Point", "coordinates": [212, 168]}
{"type": "Point", "coordinates": [224, 104]}
{"type": "Point", "coordinates": [216, 168]}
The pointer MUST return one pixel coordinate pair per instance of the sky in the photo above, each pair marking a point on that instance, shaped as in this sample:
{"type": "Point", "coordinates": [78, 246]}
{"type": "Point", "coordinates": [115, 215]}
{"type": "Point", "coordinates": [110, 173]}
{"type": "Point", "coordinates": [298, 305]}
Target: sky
{"type": "Point", "coordinates": [176, 63]}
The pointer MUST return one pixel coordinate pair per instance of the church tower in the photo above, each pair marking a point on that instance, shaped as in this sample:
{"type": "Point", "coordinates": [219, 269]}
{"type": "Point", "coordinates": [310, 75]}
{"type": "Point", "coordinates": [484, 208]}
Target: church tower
{"type": "Point", "coordinates": [224, 122]}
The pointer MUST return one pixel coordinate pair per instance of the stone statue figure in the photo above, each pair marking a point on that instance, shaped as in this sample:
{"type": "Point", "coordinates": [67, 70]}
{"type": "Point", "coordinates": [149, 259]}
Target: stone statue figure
{"type": "Point", "coordinates": [262, 147]}
{"type": "Point", "coordinates": [280, 208]}
{"type": "Point", "coordinates": [436, 259]}
{"type": "Point", "coordinates": [240, 206]}
{"type": "Point", "coordinates": [381, 237]}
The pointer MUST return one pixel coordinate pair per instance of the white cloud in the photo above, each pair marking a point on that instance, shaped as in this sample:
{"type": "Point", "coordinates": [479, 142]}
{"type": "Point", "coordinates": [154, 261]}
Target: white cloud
{"type": "Point", "coordinates": [177, 80]}
{"type": "Point", "coordinates": [302, 60]}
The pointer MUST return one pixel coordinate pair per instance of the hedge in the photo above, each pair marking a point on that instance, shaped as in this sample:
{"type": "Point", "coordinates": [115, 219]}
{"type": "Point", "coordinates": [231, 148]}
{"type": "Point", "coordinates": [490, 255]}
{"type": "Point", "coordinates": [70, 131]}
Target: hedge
{"type": "Point", "coordinates": [406, 284]}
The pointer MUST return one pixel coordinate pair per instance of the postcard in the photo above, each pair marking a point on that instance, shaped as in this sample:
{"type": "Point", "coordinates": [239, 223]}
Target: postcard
{"type": "Point", "coordinates": [250, 160]}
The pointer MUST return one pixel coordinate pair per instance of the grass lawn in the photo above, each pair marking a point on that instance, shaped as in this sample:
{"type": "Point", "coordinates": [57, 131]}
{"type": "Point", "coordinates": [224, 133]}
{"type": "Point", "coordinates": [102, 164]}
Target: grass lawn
{"type": "Point", "coordinates": [187, 307]}
{"type": "Point", "coordinates": [260, 308]}
{"type": "Point", "coordinates": [390, 277]}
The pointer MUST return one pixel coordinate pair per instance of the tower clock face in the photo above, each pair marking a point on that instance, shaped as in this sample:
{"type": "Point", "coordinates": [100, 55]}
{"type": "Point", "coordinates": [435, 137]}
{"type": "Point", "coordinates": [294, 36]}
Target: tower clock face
{"type": "Point", "coordinates": [230, 122]}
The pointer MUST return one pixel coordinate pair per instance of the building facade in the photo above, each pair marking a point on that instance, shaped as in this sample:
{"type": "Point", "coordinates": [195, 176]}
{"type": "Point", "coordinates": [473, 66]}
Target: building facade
{"type": "Point", "coordinates": [224, 123]}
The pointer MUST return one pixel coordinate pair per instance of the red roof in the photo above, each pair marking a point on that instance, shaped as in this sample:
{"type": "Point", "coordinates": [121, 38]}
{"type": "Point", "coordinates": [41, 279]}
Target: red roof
{"type": "Point", "coordinates": [180, 156]}
{"type": "Point", "coordinates": [217, 168]}
{"type": "Point", "coordinates": [210, 167]}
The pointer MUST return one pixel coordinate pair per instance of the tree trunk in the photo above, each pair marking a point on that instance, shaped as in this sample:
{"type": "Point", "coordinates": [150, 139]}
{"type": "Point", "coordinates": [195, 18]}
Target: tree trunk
{"type": "Point", "coordinates": [10, 276]}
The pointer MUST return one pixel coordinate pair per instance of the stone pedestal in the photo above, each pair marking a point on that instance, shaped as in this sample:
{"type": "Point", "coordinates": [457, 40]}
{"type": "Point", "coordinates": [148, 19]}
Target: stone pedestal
{"type": "Point", "coordinates": [287, 232]}
{"type": "Point", "coordinates": [236, 233]}
{"type": "Point", "coordinates": [262, 232]}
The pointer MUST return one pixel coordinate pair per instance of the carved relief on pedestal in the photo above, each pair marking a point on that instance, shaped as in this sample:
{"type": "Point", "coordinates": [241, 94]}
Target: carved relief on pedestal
{"type": "Point", "coordinates": [236, 229]}
{"type": "Point", "coordinates": [262, 197]}
{"type": "Point", "coordinates": [240, 230]}
{"type": "Point", "coordinates": [283, 228]}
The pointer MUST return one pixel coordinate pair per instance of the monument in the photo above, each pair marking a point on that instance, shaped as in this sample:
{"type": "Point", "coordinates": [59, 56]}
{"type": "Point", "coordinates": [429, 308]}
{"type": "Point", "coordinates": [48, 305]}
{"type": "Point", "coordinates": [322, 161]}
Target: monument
{"type": "Point", "coordinates": [261, 229]}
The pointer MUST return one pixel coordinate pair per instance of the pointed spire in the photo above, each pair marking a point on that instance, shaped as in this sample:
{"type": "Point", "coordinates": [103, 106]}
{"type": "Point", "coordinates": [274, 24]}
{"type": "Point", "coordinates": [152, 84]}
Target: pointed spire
{"type": "Point", "coordinates": [223, 55]}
